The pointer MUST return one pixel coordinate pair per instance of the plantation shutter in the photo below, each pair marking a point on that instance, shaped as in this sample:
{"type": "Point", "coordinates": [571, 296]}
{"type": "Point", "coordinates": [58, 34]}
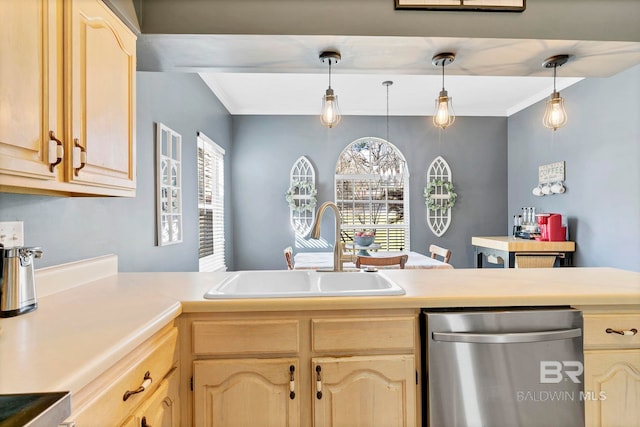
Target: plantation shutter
{"type": "Point", "coordinates": [210, 205]}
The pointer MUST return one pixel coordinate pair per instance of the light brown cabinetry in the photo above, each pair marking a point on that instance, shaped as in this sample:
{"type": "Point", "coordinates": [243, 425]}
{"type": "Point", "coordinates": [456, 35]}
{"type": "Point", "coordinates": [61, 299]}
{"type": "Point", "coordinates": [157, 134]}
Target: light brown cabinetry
{"type": "Point", "coordinates": [67, 122]}
{"type": "Point", "coordinates": [153, 364]}
{"type": "Point", "coordinates": [612, 369]}
{"type": "Point", "coordinates": [246, 392]}
{"type": "Point", "coordinates": [162, 408]}
{"type": "Point", "coordinates": [365, 391]}
{"type": "Point", "coordinates": [291, 369]}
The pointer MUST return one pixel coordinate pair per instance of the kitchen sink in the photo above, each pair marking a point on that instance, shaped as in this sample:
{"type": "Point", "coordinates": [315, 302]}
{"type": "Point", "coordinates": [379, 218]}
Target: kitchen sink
{"type": "Point", "coordinates": [296, 284]}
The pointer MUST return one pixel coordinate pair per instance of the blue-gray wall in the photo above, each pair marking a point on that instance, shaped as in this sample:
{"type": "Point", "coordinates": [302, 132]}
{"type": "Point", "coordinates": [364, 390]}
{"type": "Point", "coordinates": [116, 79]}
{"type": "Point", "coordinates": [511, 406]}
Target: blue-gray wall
{"type": "Point", "coordinates": [601, 148]}
{"type": "Point", "coordinates": [70, 229]}
{"type": "Point", "coordinates": [265, 148]}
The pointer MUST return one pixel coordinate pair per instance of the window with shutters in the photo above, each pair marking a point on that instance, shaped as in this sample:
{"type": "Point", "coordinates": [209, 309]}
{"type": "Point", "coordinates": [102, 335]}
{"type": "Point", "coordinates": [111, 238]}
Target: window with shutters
{"type": "Point", "coordinates": [371, 191]}
{"type": "Point", "coordinates": [210, 204]}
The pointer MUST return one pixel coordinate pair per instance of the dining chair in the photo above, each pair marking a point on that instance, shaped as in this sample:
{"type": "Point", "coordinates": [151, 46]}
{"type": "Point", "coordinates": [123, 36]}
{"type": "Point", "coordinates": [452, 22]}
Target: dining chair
{"type": "Point", "coordinates": [438, 251]}
{"type": "Point", "coordinates": [288, 256]}
{"type": "Point", "coordinates": [400, 260]}
{"type": "Point", "coordinates": [348, 255]}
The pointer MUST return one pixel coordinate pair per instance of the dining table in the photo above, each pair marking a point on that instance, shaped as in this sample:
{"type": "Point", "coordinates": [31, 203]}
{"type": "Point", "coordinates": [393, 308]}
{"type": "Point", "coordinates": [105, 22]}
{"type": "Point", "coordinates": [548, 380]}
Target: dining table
{"type": "Point", "coordinates": [324, 261]}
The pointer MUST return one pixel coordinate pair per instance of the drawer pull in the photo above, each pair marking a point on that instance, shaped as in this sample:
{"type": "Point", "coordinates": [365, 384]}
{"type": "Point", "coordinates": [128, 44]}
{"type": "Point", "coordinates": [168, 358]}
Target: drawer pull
{"type": "Point", "coordinates": [318, 382]}
{"type": "Point", "coordinates": [145, 384]}
{"type": "Point", "coordinates": [143, 422]}
{"type": "Point", "coordinates": [630, 332]}
{"type": "Point", "coordinates": [292, 383]}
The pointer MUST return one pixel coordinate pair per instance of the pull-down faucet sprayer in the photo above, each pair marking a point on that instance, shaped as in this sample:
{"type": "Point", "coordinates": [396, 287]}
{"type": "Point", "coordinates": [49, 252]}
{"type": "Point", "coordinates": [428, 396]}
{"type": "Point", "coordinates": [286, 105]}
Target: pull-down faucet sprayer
{"type": "Point", "coordinates": [315, 232]}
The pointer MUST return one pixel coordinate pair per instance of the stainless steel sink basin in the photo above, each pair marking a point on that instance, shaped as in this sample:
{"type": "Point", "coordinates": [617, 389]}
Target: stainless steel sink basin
{"type": "Point", "coordinates": [296, 284]}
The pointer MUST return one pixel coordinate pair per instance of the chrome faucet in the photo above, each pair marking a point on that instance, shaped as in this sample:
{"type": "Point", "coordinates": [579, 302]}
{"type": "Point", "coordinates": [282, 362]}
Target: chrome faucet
{"type": "Point", "coordinates": [315, 232]}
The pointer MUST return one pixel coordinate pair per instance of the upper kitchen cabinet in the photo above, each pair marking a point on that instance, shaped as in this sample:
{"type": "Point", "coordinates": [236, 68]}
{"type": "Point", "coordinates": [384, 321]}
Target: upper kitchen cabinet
{"type": "Point", "coordinates": [67, 88]}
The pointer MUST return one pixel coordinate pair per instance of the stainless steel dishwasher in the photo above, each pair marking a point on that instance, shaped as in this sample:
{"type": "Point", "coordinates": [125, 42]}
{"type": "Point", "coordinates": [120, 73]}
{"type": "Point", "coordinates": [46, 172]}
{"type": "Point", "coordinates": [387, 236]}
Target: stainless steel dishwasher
{"type": "Point", "coordinates": [508, 367]}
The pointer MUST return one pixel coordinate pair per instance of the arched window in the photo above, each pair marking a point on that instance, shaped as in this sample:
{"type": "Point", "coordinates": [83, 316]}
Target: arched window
{"type": "Point", "coordinates": [372, 192]}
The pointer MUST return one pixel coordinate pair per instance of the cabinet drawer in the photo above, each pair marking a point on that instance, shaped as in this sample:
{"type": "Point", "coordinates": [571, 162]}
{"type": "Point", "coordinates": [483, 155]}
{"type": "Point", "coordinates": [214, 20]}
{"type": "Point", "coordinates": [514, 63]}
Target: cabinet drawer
{"type": "Point", "coordinates": [596, 325]}
{"type": "Point", "coordinates": [245, 337]}
{"type": "Point", "coordinates": [103, 398]}
{"type": "Point", "coordinates": [366, 334]}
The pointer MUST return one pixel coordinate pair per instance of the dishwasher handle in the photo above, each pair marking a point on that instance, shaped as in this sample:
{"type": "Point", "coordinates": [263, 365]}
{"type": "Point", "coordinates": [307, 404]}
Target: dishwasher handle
{"type": "Point", "coordinates": [507, 338]}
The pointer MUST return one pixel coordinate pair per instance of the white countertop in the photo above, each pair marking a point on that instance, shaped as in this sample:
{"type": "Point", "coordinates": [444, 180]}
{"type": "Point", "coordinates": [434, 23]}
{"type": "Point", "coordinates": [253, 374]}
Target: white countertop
{"type": "Point", "coordinates": [78, 333]}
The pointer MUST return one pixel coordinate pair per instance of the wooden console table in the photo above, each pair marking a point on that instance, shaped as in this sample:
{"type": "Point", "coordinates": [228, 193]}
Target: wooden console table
{"type": "Point", "coordinates": [506, 248]}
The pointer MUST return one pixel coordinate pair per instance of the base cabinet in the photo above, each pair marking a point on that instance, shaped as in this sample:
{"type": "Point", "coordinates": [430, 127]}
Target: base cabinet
{"type": "Point", "coordinates": [246, 392]}
{"type": "Point", "coordinates": [139, 390]}
{"type": "Point", "coordinates": [612, 383]}
{"type": "Point", "coordinates": [612, 369]}
{"type": "Point", "coordinates": [364, 391]}
{"type": "Point", "coordinates": [162, 408]}
{"type": "Point", "coordinates": [315, 369]}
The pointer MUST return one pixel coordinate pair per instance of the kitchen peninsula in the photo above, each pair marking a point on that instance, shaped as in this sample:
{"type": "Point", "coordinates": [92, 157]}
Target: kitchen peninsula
{"type": "Point", "coordinates": [87, 337]}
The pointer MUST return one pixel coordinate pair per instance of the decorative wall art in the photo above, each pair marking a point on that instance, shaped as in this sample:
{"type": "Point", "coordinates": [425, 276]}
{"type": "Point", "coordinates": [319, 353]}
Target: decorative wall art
{"type": "Point", "coordinates": [440, 196]}
{"type": "Point", "coordinates": [464, 5]}
{"type": "Point", "coordinates": [550, 179]}
{"type": "Point", "coordinates": [169, 185]}
{"type": "Point", "coordinates": [301, 196]}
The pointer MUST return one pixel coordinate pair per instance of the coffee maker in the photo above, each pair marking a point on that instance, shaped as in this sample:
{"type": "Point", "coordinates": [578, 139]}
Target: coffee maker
{"type": "Point", "coordinates": [17, 280]}
{"type": "Point", "coordinates": [551, 229]}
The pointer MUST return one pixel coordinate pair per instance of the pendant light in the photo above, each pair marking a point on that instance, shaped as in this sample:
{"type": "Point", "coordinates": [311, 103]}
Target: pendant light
{"type": "Point", "coordinates": [443, 117]}
{"type": "Point", "coordinates": [330, 115]}
{"type": "Point", "coordinates": [555, 115]}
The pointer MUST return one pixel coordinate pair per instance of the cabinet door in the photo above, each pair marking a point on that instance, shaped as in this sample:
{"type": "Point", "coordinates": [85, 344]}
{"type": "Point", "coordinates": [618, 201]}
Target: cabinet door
{"type": "Point", "coordinates": [162, 408]}
{"type": "Point", "coordinates": [612, 387]}
{"type": "Point", "coordinates": [100, 97]}
{"type": "Point", "coordinates": [245, 392]}
{"type": "Point", "coordinates": [28, 85]}
{"type": "Point", "coordinates": [365, 391]}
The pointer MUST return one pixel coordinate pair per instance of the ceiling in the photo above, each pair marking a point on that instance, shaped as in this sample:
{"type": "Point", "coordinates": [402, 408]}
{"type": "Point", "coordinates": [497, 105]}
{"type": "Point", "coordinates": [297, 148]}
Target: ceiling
{"type": "Point", "coordinates": [282, 75]}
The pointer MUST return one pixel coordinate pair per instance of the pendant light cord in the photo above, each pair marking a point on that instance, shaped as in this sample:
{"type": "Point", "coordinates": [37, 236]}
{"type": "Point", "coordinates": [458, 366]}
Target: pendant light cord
{"type": "Point", "coordinates": [387, 113]}
{"type": "Point", "coordinates": [329, 73]}
{"type": "Point", "coordinates": [554, 76]}
{"type": "Point", "coordinates": [443, 75]}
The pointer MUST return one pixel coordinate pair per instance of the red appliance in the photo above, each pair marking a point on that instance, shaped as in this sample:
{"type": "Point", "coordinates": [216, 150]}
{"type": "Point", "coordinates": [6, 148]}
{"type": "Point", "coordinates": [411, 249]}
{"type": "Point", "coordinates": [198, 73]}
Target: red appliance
{"type": "Point", "coordinates": [551, 229]}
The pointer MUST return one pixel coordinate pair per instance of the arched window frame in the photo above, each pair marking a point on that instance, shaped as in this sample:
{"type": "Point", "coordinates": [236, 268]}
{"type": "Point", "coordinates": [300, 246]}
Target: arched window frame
{"type": "Point", "coordinates": [373, 206]}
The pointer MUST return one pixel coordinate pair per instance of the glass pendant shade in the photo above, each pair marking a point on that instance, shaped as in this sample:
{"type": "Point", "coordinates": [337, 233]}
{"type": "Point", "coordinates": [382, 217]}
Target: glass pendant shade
{"type": "Point", "coordinates": [330, 115]}
{"type": "Point", "coordinates": [443, 117]}
{"type": "Point", "coordinates": [555, 116]}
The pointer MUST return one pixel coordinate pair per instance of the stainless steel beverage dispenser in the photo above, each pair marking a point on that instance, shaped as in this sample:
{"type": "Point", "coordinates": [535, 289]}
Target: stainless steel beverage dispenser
{"type": "Point", "coordinates": [17, 280]}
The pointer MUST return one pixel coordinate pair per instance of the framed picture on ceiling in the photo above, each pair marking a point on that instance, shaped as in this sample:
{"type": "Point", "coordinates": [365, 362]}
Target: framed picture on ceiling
{"type": "Point", "coordinates": [465, 5]}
